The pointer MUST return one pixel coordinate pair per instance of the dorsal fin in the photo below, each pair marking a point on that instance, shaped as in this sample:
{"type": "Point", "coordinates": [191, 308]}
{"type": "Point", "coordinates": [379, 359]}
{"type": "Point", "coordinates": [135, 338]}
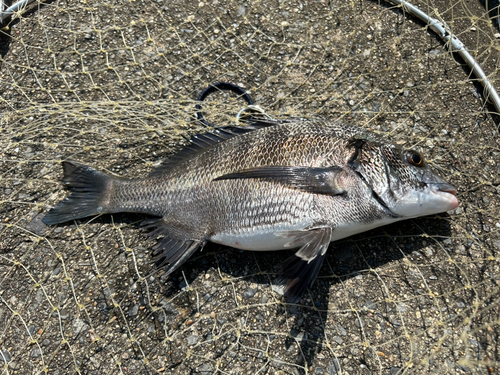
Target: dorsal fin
{"type": "Point", "coordinates": [200, 142]}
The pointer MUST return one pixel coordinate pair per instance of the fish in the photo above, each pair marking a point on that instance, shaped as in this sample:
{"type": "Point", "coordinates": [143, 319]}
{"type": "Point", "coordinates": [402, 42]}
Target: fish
{"type": "Point", "coordinates": [270, 185]}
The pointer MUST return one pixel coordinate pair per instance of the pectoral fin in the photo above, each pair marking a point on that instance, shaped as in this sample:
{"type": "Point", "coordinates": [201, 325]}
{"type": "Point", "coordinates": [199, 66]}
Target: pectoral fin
{"type": "Point", "coordinates": [308, 179]}
{"type": "Point", "coordinates": [301, 269]}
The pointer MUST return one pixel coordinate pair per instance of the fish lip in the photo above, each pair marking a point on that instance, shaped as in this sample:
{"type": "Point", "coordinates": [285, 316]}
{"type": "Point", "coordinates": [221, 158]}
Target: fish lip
{"type": "Point", "coordinates": [447, 188]}
{"type": "Point", "coordinates": [446, 191]}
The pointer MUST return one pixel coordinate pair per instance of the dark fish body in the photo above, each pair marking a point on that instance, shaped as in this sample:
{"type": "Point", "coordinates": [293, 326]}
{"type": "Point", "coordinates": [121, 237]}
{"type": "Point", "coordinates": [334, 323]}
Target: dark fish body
{"type": "Point", "coordinates": [291, 184]}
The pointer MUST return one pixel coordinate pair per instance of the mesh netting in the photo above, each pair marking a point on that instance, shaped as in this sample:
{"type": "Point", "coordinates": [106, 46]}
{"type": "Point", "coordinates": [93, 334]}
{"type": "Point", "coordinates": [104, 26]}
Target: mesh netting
{"type": "Point", "coordinates": [113, 84]}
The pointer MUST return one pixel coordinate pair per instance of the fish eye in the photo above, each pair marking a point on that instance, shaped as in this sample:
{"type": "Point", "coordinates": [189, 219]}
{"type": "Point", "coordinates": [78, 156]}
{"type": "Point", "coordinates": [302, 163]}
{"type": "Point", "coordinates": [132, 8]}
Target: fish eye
{"type": "Point", "coordinates": [414, 158]}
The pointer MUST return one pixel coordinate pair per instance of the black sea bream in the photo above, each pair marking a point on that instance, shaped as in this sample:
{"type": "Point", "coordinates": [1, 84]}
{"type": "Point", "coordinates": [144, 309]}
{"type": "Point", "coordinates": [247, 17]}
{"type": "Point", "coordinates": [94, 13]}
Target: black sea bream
{"type": "Point", "coordinates": [294, 184]}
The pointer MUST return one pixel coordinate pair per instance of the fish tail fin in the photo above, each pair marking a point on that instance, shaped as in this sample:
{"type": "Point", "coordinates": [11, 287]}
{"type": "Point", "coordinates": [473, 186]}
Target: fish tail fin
{"type": "Point", "coordinates": [88, 188]}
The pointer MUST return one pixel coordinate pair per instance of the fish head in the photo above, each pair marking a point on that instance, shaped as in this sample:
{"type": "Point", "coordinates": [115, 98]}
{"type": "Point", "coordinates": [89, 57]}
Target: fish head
{"type": "Point", "coordinates": [401, 180]}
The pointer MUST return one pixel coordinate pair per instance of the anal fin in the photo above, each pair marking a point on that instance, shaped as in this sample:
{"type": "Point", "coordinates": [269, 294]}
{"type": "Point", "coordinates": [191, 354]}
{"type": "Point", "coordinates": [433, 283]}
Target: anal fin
{"type": "Point", "coordinates": [301, 269]}
{"type": "Point", "coordinates": [172, 250]}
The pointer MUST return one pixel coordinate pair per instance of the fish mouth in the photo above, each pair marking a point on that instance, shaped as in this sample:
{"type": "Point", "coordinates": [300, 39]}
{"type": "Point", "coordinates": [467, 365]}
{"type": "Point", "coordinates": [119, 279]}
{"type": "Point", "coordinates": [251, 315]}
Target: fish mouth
{"type": "Point", "coordinates": [447, 192]}
{"type": "Point", "coordinates": [447, 188]}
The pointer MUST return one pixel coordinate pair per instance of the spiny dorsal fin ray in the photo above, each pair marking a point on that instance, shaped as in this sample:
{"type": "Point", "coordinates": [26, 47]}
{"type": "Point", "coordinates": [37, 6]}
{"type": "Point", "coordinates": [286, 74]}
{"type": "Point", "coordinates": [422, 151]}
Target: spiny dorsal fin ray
{"type": "Point", "coordinates": [308, 179]}
{"type": "Point", "coordinates": [202, 141]}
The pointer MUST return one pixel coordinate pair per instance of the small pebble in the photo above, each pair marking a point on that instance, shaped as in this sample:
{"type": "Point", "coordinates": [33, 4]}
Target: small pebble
{"type": "Point", "coordinates": [192, 340]}
{"type": "Point", "coordinates": [250, 293]}
{"type": "Point", "coordinates": [35, 353]}
{"type": "Point", "coordinates": [359, 322]}
{"type": "Point", "coordinates": [5, 356]}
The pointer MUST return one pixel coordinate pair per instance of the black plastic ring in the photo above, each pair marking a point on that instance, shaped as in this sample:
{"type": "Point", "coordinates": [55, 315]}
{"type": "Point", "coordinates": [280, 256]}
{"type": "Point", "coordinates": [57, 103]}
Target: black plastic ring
{"type": "Point", "coordinates": [220, 86]}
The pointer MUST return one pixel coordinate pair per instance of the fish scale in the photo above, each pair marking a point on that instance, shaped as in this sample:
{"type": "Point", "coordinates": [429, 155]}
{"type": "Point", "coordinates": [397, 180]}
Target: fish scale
{"type": "Point", "coordinates": [273, 185]}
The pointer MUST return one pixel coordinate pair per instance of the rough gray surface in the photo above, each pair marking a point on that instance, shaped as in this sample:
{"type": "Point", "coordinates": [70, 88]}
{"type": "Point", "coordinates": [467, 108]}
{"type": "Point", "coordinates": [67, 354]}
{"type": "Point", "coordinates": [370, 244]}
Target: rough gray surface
{"type": "Point", "coordinates": [112, 84]}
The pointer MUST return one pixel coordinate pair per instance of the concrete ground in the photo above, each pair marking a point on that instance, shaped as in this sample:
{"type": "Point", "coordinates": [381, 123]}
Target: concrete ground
{"type": "Point", "coordinates": [113, 84]}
